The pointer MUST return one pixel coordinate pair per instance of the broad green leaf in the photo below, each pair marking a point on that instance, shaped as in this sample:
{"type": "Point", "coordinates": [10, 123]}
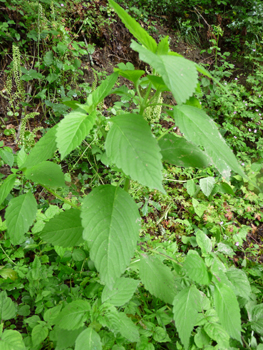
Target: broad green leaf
{"type": "Point", "coordinates": [121, 292]}
{"type": "Point", "coordinates": [227, 308]}
{"type": "Point", "coordinates": [43, 150]}
{"type": "Point", "coordinates": [6, 187]}
{"type": "Point", "coordinates": [195, 268]}
{"type": "Point", "coordinates": [7, 307]}
{"type": "Point", "coordinates": [201, 338]}
{"type": "Point", "coordinates": [217, 333]}
{"type": "Point", "coordinates": [111, 224]}
{"type": "Point", "coordinates": [163, 46]}
{"type": "Point", "coordinates": [47, 174]}
{"type": "Point", "coordinates": [186, 306]}
{"type": "Point", "coordinates": [178, 151]}
{"type": "Point", "coordinates": [178, 73]}
{"type": "Point", "coordinates": [118, 322]}
{"type": "Point", "coordinates": [132, 147]}
{"type": "Point", "coordinates": [72, 130]}
{"type": "Point", "coordinates": [202, 131]}
{"type": "Point", "coordinates": [21, 157]}
{"type": "Point", "coordinates": [204, 242]}
{"type": "Point", "coordinates": [191, 187]}
{"type": "Point", "coordinates": [8, 273]}
{"type": "Point", "coordinates": [158, 279]}
{"type": "Point", "coordinates": [193, 101]}
{"type": "Point", "coordinates": [132, 75]}
{"type": "Point", "coordinates": [20, 215]}
{"type": "Point", "coordinates": [207, 184]}
{"type": "Point", "coordinates": [66, 338]}
{"type": "Point", "coordinates": [88, 340]}
{"type": "Point", "coordinates": [134, 27]}
{"type": "Point", "coordinates": [7, 157]}
{"type": "Point", "coordinates": [51, 314]}
{"type": "Point", "coordinates": [203, 71]}
{"type": "Point", "coordinates": [11, 340]}
{"type": "Point", "coordinates": [158, 83]}
{"type": "Point", "coordinates": [257, 319]}
{"type": "Point", "coordinates": [226, 188]}
{"type": "Point", "coordinates": [240, 282]}
{"type": "Point", "coordinates": [39, 333]}
{"type": "Point", "coordinates": [74, 315]}
{"type": "Point", "coordinates": [101, 92]}
{"type": "Point", "coordinates": [64, 230]}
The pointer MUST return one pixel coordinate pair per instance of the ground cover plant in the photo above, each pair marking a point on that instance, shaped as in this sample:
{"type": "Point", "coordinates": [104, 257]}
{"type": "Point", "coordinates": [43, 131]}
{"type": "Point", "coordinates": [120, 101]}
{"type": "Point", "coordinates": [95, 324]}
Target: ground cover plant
{"type": "Point", "coordinates": [92, 276]}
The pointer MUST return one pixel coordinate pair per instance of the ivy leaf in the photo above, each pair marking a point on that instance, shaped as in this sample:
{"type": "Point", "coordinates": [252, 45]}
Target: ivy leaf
{"type": "Point", "coordinates": [177, 151]}
{"type": "Point", "coordinates": [72, 130]}
{"type": "Point", "coordinates": [111, 224]}
{"type": "Point", "coordinates": [227, 308]}
{"type": "Point", "coordinates": [157, 278]}
{"type": "Point", "coordinates": [64, 230]}
{"type": "Point", "coordinates": [132, 147]}
{"type": "Point", "coordinates": [47, 174]}
{"type": "Point", "coordinates": [239, 280]}
{"type": "Point", "coordinates": [186, 306]}
{"type": "Point", "coordinates": [179, 74]}
{"type": "Point", "coordinates": [11, 340]}
{"type": "Point", "coordinates": [39, 333]}
{"type": "Point", "coordinates": [74, 315]}
{"type": "Point", "coordinates": [202, 131]}
{"type": "Point", "coordinates": [7, 307]}
{"type": "Point", "coordinates": [88, 340]}
{"type": "Point", "coordinates": [43, 150]}
{"type": "Point", "coordinates": [207, 184]}
{"type": "Point", "coordinates": [6, 187]}
{"type": "Point", "coordinates": [20, 215]}
{"type": "Point", "coordinates": [134, 27]}
{"type": "Point", "coordinates": [195, 268]}
{"type": "Point", "coordinates": [121, 292]}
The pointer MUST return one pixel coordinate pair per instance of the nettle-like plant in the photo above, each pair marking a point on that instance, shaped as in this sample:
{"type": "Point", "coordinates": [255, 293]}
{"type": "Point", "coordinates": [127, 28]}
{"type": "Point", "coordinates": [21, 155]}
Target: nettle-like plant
{"type": "Point", "coordinates": [202, 290]}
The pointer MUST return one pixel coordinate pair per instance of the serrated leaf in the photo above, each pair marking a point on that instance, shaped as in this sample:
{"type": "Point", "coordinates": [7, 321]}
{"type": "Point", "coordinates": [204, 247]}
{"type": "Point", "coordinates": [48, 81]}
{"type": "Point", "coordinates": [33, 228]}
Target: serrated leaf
{"type": "Point", "coordinates": [21, 157]}
{"type": "Point", "coordinates": [217, 333]}
{"type": "Point", "coordinates": [132, 75]}
{"type": "Point", "coordinates": [88, 340]}
{"type": "Point", "coordinates": [132, 147]}
{"type": "Point", "coordinates": [47, 174]}
{"type": "Point", "coordinates": [191, 187]}
{"type": "Point", "coordinates": [66, 338]}
{"type": "Point", "coordinates": [204, 242]}
{"type": "Point", "coordinates": [74, 315]}
{"type": "Point", "coordinates": [118, 322]}
{"type": "Point", "coordinates": [178, 151]}
{"type": "Point", "coordinates": [186, 306]}
{"type": "Point", "coordinates": [157, 278]}
{"type": "Point", "coordinates": [134, 27]}
{"type": "Point", "coordinates": [72, 130]}
{"type": "Point", "coordinates": [50, 315]}
{"type": "Point", "coordinates": [11, 340]}
{"type": "Point", "coordinates": [158, 83]}
{"type": "Point", "coordinates": [202, 131]}
{"type": "Point", "coordinates": [227, 308]}
{"type": "Point", "coordinates": [43, 150]}
{"type": "Point", "coordinates": [20, 215]}
{"type": "Point", "coordinates": [39, 333]}
{"type": "Point", "coordinates": [64, 229]}
{"type": "Point", "coordinates": [201, 338]}
{"type": "Point", "coordinates": [101, 92]}
{"type": "Point", "coordinates": [195, 268]}
{"type": "Point", "coordinates": [7, 157]}
{"type": "Point", "coordinates": [163, 46]}
{"type": "Point", "coordinates": [7, 307]}
{"type": "Point", "coordinates": [179, 74]}
{"type": "Point", "coordinates": [111, 224]}
{"type": "Point", "coordinates": [257, 319]}
{"type": "Point", "coordinates": [240, 282]}
{"type": "Point", "coordinates": [226, 188]}
{"type": "Point", "coordinates": [207, 184]}
{"type": "Point", "coordinates": [6, 187]}
{"type": "Point", "coordinates": [120, 293]}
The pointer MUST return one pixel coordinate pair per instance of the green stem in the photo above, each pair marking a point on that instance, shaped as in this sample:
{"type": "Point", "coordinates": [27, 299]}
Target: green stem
{"type": "Point", "coordinates": [127, 184]}
{"type": "Point", "coordinates": [167, 256]}
{"type": "Point", "coordinates": [8, 257]}
{"type": "Point", "coordinates": [166, 132]}
{"type": "Point", "coordinates": [61, 198]}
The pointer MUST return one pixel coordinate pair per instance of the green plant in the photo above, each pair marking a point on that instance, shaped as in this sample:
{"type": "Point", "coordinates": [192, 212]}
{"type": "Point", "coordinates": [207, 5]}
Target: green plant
{"type": "Point", "coordinates": [200, 291]}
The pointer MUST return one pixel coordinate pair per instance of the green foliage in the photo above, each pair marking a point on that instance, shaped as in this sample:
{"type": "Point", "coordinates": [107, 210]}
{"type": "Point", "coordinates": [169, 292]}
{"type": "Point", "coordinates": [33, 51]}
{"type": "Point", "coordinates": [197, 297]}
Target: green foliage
{"type": "Point", "coordinates": [88, 283]}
